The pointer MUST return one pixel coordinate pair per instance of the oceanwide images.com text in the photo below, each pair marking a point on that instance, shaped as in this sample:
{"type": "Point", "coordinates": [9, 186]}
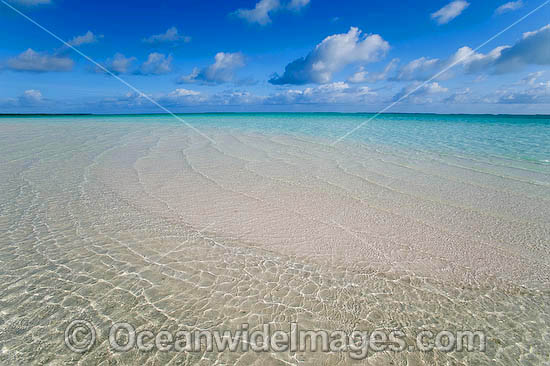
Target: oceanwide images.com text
{"type": "Point", "coordinates": [80, 336]}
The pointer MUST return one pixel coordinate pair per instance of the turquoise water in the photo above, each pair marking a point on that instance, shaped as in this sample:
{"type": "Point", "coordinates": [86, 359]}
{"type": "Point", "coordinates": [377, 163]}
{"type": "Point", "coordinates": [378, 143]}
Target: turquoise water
{"type": "Point", "coordinates": [413, 222]}
{"type": "Point", "coordinates": [504, 136]}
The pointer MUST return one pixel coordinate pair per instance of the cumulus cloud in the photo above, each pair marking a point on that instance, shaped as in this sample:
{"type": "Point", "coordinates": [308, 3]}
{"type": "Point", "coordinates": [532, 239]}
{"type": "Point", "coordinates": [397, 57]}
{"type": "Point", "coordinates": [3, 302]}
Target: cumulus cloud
{"type": "Point", "coordinates": [460, 97]}
{"type": "Point", "coordinates": [418, 93]}
{"type": "Point", "coordinates": [532, 49]}
{"type": "Point", "coordinates": [182, 97]}
{"type": "Point", "coordinates": [333, 93]}
{"type": "Point", "coordinates": [235, 97]}
{"type": "Point", "coordinates": [510, 6]}
{"type": "Point", "coordinates": [156, 64]}
{"type": "Point", "coordinates": [425, 68]}
{"type": "Point", "coordinates": [87, 38]}
{"type": "Point", "coordinates": [363, 76]}
{"type": "Point", "coordinates": [420, 69]}
{"type": "Point", "coordinates": [260, 13]}
{"type": "Point", "coordinates": [30, 97]}
{"type": "Point", "coordinates": [221, 71]}
{"type": "Point", "coordinates": [170, 36]}
{"type": "Point", "coordinates": [129, 100]}
{"type": "Point", "coordinates": [331, 55]}
{"type": "Point", "coordinates": [538, 94]}
{"type": "Point", "coordinates": [475, 62]}
{"type": "Point", "coordinates": [450, 11]}
{"type": "Point", "coordinates": [183, 93]}
{"type": "Point", "coordinates": [339, 93]}
{"type": "Point", "coordinates": [186, 97]}
{"type": "Point", "coordinates": [532, 78]}
{"type": "Point", "coordinates": [118, 64]}
{"type": "Point", "coordinates": [33, 61]}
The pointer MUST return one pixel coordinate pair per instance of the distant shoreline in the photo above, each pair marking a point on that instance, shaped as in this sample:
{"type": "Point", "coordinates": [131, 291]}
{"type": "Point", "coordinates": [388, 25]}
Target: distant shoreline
{"type": "Point", "coordinates": [263, 113]}
{"type": "Point", "coordinates": [43, 114]}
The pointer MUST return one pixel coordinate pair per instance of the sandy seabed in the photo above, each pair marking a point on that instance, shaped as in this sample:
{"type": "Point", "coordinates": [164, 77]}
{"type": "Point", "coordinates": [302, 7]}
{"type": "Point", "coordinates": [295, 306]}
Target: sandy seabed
{"type": "Point", "coordinates": [154, 225]}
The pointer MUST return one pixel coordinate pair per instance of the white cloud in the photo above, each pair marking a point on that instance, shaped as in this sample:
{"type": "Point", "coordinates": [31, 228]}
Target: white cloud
{"type": "Point", "coordinates": [30, 97]}
{"type": "Point", "coordinates": [33, 61]}
{"type": "Point", "coordinates": [532, 78]}
{"type": "Point", "coordinates": [221, 71]}
{"type": "Point", "coordinates": [535, 32]}
{"type": "Point", "coordinates": [118, 64]}
{"type": "Point", "coordinates": [263, 9]}
{"type": "Point", "coordinates": [156, 64]}
{"type": "Point", "coordinates": [426, 68]}
{"type": "Point", "coordinates": [363, 76]}
{"type": "Point", "coordinates": [171, 35]}
{"type": "Point", "coordinates": [420, 69]}
{"type": "Point", "coordinates": [333, 93]}
{"type": "Point", "coordinates": [450, 11]}
{"type": "Point", "coordinates": [538, 94]}
{"type": "Point", "coordinates": [87, 38]}
{"type": "Point", "coordinates": [235, 97]}
{"type": "Point", "coordinates": [532, 49]}
{"type": "Point", "coordinates": [475, 62]}
{"type": "Point", "coordinates": [186, 97]}
{"type": "Point", "coordinates": [182, 97]}
{"type": "Point", "coordinates": [331, 55]}
{"type": "Point", "coordinates": [297, 4]}
{"type": "Point", "coordinates": [183, 93]}
{"type": "Point", "coordinates": [460, 97]}
{"type": "Point", "coordinates": [260, 13]}
{"type": "Point", "coordinates": [418, 93]}
{"type": "Point", "coordinates": [510, 6]}
{"type": "Point", "coordinates": [129, 100]}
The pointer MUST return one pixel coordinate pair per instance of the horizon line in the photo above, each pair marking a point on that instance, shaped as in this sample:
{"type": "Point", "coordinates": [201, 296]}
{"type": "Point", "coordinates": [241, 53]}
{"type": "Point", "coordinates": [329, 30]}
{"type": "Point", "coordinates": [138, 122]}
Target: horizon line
{"type": "Point", "coordinates": [251, 112]}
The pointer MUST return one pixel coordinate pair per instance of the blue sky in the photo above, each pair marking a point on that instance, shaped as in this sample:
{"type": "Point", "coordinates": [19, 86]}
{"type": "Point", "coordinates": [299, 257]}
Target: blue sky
{"type": "Point", "coordinates": [276, 55]}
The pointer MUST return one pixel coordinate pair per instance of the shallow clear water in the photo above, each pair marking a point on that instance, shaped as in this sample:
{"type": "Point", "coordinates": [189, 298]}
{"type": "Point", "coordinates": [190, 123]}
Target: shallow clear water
{"type": "Point", "coordinates": [413, 222]}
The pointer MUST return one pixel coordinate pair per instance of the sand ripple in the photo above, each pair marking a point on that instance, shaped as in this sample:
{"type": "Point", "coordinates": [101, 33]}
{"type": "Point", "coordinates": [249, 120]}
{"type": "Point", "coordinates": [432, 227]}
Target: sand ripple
{"type": "Point", "coordinates": [150, 224]}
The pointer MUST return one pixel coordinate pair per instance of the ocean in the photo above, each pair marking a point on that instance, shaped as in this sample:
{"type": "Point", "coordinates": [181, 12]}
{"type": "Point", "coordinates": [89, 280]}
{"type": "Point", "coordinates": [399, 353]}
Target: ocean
{"type": "Point", "coordinates": [413, 223]}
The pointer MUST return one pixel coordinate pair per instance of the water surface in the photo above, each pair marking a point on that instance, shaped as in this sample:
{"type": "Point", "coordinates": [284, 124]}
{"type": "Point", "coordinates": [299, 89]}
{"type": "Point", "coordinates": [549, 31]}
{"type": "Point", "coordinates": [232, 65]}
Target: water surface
{"type": "Point", "coordinates": [413, 222]}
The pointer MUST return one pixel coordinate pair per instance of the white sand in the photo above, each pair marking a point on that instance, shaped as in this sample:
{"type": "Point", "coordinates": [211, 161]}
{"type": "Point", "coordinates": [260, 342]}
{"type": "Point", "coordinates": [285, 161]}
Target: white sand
{"type": "Point", "coordinates": [153, 224]}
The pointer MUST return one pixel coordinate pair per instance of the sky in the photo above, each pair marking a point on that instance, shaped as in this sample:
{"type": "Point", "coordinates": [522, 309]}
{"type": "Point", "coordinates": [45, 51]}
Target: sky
{"type": "Point", "coordinates": [432, 56]}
